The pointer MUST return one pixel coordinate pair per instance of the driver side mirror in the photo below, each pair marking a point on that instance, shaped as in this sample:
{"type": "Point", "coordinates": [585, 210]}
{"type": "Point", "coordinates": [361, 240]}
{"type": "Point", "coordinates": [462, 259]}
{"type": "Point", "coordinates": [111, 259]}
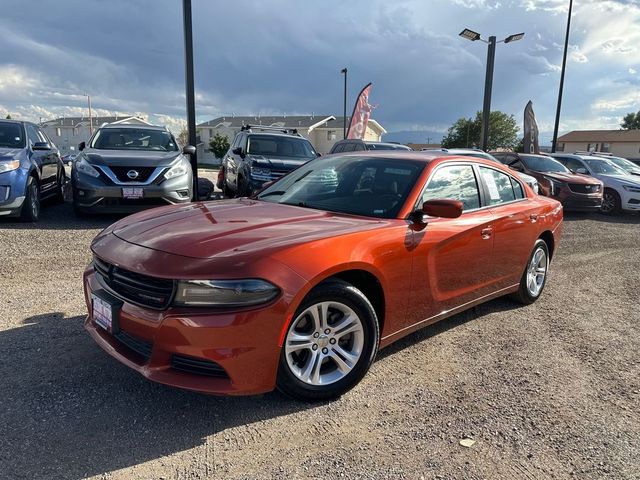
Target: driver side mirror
{"type": "Point", "coordinates": [238, 151]}
{"type": "Point", "coordinates": [189, 150]}
{"type": "Point", "coordinates": [41, 146]}
{"type": "Point", "coordinates": [444, 208]}
{"type": "Point", "coordinates": [82, 146]}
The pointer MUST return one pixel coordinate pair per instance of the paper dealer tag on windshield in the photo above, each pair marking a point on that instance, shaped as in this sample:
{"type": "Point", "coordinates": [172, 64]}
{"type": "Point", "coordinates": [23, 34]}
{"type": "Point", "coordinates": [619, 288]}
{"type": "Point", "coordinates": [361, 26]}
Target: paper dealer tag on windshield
{"type": "Point", "coordinates": [491, 184]}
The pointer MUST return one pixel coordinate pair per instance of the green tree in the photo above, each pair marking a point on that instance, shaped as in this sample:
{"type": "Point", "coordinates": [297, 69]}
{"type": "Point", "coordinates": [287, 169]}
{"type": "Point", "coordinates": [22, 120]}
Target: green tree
{"type": "Point", "coordinates": [219, 145]}
{"type": "Point", "coordinates": [8, 117]}
{"type": "Point", "coordinates": [465, 132]}
{"type": "Point", "coordinates": [519, 146]}
{"type": "Point", "coordinates": [631, 121]}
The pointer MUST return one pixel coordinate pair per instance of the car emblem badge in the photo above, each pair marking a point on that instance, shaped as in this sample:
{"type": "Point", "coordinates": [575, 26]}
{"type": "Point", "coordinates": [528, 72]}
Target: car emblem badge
{"type": "Point", "coordinates": [132, 174]}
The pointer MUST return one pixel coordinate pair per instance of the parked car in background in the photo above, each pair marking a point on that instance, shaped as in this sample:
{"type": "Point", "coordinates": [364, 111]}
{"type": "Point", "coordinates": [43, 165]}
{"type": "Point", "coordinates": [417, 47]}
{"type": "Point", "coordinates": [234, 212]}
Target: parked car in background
{"type": "Point", "coordinates": [476, 153]}
{"type": "Point", "coordinates": [259, 155]}
{"type": "Point", "coordinates": [298, 286]}
{"type": "Point", "coordinates": [621, 189]}
{"type": "Point", "coordinates": [355, 145]}
{"type": "Point", "coordinates": [575, 192]}
{"type": "Point", "coordinates": [31, 170]}
{"type": "Point", "coordinates": [626, 165]}
{"type": "Point", "coordinates": [125, 168]}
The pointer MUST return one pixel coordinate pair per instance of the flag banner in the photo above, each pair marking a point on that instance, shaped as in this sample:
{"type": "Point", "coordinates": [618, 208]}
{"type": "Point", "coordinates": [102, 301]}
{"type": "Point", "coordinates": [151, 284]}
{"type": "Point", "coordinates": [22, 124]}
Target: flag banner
{"type": "Point", "coordinates": [361, 114]}
{"type": "Point", "coordinates": [530, 140]}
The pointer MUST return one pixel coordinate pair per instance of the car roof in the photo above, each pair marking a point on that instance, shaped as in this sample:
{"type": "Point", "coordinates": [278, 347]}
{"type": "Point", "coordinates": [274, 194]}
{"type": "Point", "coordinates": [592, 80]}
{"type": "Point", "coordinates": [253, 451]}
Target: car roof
{"type": "Point", "coordinates": [11, 120]}
{"type": "Point", "coordinates": [423, 157]}
{"type": "Point", "coordinates": [133, 126]}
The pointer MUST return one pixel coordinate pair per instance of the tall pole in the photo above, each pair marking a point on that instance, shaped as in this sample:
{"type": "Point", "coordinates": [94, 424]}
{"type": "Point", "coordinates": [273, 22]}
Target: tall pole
{"type": "Point", "coordinates": [190, 90]}
{"type": "Point", "coordinates": [90, 115]}
{"type": "Point", "coordinates": [344, 109]}
{"type": "Point", "coordinates": [564, 66]}
{"type": "Point", "coordinates": [488, 85]}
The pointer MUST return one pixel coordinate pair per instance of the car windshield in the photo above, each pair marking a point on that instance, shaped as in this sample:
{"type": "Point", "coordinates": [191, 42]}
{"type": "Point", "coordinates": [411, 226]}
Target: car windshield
{"type": "Point", "coordinates": [604, 167]}
{"type": "Point", "coordinates": [280, 146]}
{"type": "Point", "coordinates": [368, 186]}
{"type": "Point", "coordinates": [134, 139]}
{"type": "Point", "coordinates": [624, 164]}
{"type": "Point", "coordinates": [11, 135]}
{"type": "Point", "coordinates": [540, 163]}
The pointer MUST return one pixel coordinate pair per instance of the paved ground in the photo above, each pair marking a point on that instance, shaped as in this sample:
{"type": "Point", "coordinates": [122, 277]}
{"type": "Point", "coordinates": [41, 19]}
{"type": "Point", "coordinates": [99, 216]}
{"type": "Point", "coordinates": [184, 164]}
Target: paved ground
{"type": "Point", "coordinates": [547, 391]}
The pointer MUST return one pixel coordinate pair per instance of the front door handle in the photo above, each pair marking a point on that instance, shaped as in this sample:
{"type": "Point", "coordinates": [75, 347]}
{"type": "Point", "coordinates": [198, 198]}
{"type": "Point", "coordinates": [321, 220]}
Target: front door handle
{"type": "Point", "coordinates": [486, 233]}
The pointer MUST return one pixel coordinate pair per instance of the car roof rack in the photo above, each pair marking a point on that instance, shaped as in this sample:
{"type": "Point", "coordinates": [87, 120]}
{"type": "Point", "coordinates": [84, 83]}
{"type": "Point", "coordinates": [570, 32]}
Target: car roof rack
{"type": "Point", "coordinates": [602, 154]}
{"type": "Point", "coordinates": [269, 128]}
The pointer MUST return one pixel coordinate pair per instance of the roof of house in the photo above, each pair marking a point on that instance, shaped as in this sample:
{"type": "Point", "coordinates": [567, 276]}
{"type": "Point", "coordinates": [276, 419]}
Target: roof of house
{"type": "Point", "coordinates": [608, 136]}
{"type": "Point", "coordinates": [97, 121]}
{"type": "Point", "coordinates": [294, 121]}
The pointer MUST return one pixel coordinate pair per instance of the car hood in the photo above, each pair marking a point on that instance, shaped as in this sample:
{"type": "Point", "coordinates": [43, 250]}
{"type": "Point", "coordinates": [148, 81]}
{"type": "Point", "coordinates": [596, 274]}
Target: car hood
{"type": "Point", "coordinates": [278, 163]}
{"type": "Point", "coordinates": [130, 158]}
{"type": "Point", "coordinates": [570, 177]}
{"type": "Point", "coordinates": [611, 180]}
{"type": "Point", "coordinates": [234, 227]}
{"type": "Point", "coordinates": [9, 153]}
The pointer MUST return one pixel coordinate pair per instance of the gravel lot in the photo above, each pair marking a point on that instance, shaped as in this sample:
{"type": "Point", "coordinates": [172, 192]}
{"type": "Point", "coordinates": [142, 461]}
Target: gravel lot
{"type": "Point", "coordinates": [547, 391]}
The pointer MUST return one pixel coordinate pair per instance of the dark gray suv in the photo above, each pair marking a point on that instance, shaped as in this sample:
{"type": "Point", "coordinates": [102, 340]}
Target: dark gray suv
{"type": "Point", "coordinates": [128, 167]}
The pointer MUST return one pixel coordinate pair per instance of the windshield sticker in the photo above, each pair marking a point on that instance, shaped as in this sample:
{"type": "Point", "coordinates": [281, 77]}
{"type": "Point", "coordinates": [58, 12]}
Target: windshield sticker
{"type": "Point", "coordinates": [491, 184]}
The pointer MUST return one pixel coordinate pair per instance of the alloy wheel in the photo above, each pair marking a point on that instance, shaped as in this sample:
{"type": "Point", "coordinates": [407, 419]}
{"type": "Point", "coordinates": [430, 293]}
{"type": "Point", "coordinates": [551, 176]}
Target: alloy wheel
{"type": "Point", "coordinates": [324, 343]}
{"type": "Point", "coordinates": [608, 203]}
{"type": "Point", "coordinates": [35, 200]}
{"type": "Point", "coordinates": [537, 272]}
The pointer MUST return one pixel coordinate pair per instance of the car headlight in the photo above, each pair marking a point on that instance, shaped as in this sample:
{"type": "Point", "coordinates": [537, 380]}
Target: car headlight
{"type": "Point", "coordinates": [85, 167]}
{"type": "Point", "coordinates": [224, 293]}
{"type": "Point", "coordinates": [555, 185]}
{"type": "Point", "coordinates": [631, 188]}
{"type": "Point", "coordinates": [176, 171]}
{"type": "Point", "coordinates": [9, 166]}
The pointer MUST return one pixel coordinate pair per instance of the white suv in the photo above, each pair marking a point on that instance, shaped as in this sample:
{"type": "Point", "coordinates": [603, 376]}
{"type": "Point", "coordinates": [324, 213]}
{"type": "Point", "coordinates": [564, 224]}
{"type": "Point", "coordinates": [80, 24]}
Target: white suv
{"type": "Point", "coordinates": [621, 189]}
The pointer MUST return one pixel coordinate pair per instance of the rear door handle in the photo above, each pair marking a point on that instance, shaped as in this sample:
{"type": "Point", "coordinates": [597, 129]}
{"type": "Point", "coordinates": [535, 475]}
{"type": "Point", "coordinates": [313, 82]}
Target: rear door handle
{"type": "Point", "coordinates": [486, 233]}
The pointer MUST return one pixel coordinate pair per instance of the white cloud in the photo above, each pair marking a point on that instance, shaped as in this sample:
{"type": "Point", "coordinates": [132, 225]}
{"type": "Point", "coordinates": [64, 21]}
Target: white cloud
{"type": "Point", "coordinates": [632, 71]}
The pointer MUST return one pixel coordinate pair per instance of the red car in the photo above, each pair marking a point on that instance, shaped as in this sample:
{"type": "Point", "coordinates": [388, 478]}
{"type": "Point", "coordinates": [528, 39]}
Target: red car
{"type": "Point", "coordinates": [298, 287]}
{"type": "Point", "coordinates": [575, 192]}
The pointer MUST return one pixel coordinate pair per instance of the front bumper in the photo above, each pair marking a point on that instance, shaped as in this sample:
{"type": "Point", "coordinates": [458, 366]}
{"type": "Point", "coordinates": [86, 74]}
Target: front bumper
{"type": "Point", "coordinates": [631, 201]}
{"type": "Point", "coordinates": [245, 344]}
{"type": "Point", "coordinates": [94, 195]}
{"type": "Point", "coordinates": [12, 191]}
{"type": "Point", "coordinates": [590, 202]}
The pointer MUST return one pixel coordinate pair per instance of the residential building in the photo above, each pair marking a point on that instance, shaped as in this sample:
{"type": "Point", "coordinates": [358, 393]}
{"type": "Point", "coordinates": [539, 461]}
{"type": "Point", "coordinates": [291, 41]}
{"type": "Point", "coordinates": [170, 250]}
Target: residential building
{"type": "Point", "coordinates": [321, 130]}
{"type": "Point", "coordinates": [622, 143]}
{"type": "Point", "coordinates": [68, 132]}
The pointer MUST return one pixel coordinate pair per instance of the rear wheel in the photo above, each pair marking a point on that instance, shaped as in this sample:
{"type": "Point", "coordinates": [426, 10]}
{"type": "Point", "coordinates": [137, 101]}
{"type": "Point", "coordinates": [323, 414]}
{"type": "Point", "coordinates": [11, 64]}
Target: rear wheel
{"type": "Point", "coordinates": [31, 206]}
{"type": "Point", "coordinates": [611, 202]}
{"type": "Point", "coordinates": [534, 277]}
{"type": "Point", "coordinates": [330, 343]}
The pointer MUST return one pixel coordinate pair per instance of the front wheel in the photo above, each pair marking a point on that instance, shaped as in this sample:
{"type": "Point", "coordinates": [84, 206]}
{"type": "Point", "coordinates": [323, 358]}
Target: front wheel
{"type": "Point", "coordinates": [611, 202]}
{"type": "Point", "coordinates": [330, 343]}
{"type": "Point", "coordinates": [534, 277]}
{"type": "Point", "coordinates": [31, 207]}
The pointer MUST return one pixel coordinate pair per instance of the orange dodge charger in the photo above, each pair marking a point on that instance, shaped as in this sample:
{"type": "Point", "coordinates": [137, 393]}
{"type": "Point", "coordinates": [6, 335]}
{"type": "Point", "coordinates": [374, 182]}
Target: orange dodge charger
{"type": "Point", "coordinates": [298, 287]}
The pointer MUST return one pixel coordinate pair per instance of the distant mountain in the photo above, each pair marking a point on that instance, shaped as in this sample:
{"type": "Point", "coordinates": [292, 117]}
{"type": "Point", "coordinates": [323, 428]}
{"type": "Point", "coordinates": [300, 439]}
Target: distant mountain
{"type": "Point", "coordinates": [410, 136]}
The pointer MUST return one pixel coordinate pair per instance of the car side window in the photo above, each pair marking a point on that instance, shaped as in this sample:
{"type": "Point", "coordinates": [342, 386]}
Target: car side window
{"type": "Point", "coordinates": [518, 191]}
{"type": "Point", "coordinates": [573, 164]}
{"type": "Point", "coordinates": [43, 137]}
{"type": "Point", "coordinates": [32, 134]}
{"type": "Point", "coordinates": [338, 148]}
{"type": "Point", "coordinates": [456, 182]}
{"type": "Point", "coordinates": [499, 186]}
{"type": "Point", "coordinates": [348, 147]}
{"type": "Point", "coordinates": [358, 147]}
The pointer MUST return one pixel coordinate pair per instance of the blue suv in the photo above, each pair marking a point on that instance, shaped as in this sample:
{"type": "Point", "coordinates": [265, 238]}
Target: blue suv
{"type": "Point", "coordinates": [30, 170]}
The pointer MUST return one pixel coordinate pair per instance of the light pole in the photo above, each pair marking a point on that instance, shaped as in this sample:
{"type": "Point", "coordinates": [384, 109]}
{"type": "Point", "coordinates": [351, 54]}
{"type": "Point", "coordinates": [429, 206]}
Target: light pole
{"type": "Point", "coordinates": [344, 109]}
{"type": "Point", "coordinates": [90, 114]}
{"type": "Point", "coordinates": [488, 80]}
{"type": "Point", "coordinates": [190, 90]}
{"type": "Point", "coordinates": [564, 65]}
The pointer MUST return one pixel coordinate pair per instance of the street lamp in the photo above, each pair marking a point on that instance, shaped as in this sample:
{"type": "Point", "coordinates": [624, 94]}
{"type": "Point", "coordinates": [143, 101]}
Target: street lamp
{"type": "Point", "coordinates": [190, 90]}
{"type": "Point", "coordinates": [344, 110]}
{"type": "Point", "coordinates": [488, 81]}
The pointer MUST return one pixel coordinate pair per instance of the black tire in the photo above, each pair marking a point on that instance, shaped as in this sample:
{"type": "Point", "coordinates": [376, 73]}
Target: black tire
{"type": "Point", "coordinates": [58, 196]}
{"type": "Point", "coordinates": [611, 203]}
{"type": "Point", "coordinates": [243, 187]}
{"type": "Point", "coordinates": [78, 211]}
{"type": "Point", "coordinates": [348, 295]}
{"type": "Point", "coordinates": [524, 294]}
{"type": "Point", "coordinates": [31, 207]}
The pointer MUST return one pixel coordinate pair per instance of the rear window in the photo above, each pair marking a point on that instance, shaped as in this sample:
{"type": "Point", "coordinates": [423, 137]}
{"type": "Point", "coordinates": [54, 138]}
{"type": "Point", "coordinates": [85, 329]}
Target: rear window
{"type": "Point", "coordinates": [280, 146]}
{"type": "Point", "coordinates": [11, 135]}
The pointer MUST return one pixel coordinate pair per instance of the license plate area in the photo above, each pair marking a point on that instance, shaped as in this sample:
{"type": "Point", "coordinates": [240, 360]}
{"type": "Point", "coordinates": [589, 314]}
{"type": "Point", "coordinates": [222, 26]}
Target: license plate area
{"type": "Point", "coordinates": [132, 193]}
{"type": "Point", "coordinates": [105, 311]}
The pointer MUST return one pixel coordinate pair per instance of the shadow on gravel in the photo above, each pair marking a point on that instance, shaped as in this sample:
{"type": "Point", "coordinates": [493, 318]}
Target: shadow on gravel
{"type": "Point", "coordinates": [70, 411]}
{"type": "Point", "coordinates": [624, 218]}
{"type": "Point", "coordinates": [59, 217]}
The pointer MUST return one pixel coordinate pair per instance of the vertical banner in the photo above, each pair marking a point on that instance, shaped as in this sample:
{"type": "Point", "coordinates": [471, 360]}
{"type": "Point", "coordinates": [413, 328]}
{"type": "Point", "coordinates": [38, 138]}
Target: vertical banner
{"type": "Point", "coordinates": [361, 114]}
{"type": "Point", "coordinates": [530, 139]}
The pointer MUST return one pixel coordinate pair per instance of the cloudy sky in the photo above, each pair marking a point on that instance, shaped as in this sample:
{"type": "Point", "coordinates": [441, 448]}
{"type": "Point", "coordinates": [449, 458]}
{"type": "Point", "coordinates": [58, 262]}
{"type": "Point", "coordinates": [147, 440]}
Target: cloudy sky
{"type": "Point", "coordinates": [285, 56]}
